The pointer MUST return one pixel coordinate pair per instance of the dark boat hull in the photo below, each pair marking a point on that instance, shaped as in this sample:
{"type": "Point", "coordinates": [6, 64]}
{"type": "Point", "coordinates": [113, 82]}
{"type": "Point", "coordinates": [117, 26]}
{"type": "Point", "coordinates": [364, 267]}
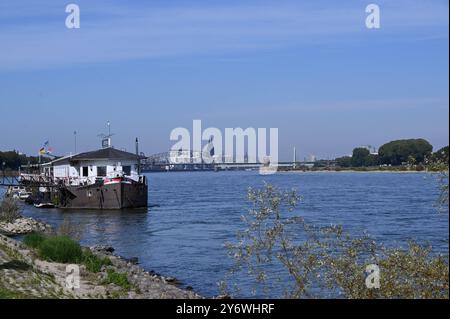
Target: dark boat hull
{"type": "Point", "coordinates": [109, 196]}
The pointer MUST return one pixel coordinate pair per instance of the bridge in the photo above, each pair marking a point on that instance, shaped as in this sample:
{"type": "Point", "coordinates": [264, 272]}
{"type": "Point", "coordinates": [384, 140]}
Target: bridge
{"type": "Point", "coordinates": [192, 160]}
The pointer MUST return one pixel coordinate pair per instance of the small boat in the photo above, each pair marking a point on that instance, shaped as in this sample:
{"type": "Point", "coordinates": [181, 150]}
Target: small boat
{"type": "Point", "coordinates": [44, 205]}
{"type": "Point", "coordinates": [24, 195]}
{"type": "Point", "coordinates": [14, 191]}
{"type": "Point", "coordinates": [268, 170]}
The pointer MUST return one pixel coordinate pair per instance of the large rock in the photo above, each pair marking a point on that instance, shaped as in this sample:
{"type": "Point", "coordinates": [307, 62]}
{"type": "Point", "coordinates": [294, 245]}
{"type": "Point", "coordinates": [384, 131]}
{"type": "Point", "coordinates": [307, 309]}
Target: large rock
{"type": "Point", "coordinates": [24, 226]}
{"type": "Point", "coordinates": [103, 249]}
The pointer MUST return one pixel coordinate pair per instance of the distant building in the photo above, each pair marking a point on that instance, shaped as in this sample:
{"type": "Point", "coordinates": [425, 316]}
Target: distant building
{"type": "Point", "coordinates": [180, 157]}
{"type": "Point", "coordinates": [373, 150]}
{"type": "Point", "coordinates": [311, 158]}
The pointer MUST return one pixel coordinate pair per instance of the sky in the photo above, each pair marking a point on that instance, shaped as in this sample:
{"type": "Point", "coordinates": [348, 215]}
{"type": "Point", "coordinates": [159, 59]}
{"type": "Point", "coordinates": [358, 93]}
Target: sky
{"type": "Point", "coordinates": [312, 69]}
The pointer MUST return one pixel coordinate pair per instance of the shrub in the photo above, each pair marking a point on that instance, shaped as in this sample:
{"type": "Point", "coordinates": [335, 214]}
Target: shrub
{"type": "Point", "coordinates": [61, 249]}
{"type": "Point", "coordinates": [326, 261]}
{"type": "Point", "coordinates": [34, 240]}
{"type": "Point", "coordinates": [93, 263]}
{"type": "Point", "coordinates": [119, 279]}
{"type": "Point", "coordinates": [420, 168]}
{"type": "Point", "coordinates": [9, 211]}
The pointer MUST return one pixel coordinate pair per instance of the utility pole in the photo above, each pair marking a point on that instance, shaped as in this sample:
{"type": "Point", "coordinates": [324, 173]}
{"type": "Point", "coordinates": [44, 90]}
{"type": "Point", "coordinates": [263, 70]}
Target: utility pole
{"type": "Point", "coordinates": [75, 137]}
{"type": "Point", "coordinates": [294, 166]}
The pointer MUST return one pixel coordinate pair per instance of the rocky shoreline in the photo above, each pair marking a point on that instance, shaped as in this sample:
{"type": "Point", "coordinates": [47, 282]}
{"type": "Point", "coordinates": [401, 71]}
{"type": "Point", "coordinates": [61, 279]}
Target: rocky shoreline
{"type": "Point", "coordinates": [24, 275]}
{"type": "Point", "coordinates": [149, 283]}
{"type": "Point", "coordinates": [23, 226]}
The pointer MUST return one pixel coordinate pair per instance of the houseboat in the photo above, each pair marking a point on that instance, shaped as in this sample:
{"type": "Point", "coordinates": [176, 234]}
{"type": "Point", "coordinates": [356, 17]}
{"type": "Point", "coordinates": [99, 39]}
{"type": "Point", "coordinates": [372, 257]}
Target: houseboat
{"type": "Point", "coordinates": [107, 178]}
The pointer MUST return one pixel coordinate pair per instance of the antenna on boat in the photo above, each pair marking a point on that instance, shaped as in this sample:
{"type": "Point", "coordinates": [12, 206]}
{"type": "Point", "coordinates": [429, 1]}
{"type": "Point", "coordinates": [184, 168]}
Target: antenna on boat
{"type": "Point", "coordinates": [106, 139]}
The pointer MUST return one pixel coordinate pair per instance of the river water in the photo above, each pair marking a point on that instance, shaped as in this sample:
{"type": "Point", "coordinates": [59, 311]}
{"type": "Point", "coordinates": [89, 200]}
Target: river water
{"type": "Point", "coordinates": [193, 214]}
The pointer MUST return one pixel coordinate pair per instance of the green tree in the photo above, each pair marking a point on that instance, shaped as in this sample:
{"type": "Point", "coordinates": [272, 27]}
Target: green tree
{"type": "Point", "coordinates": [13, 160]}
{"type": "Point", "coordinates": [360, 157]}
{"type": "Point", "coordinates": [438, 162]}
{"type": "Point", "coordinates": [398, 152]}
{"type": "Point", "coordinates": [344, 161]}
{"type": "Point", "coordinates": [372, 160]}
{"type": "Point", "coordinates": [440, 156]}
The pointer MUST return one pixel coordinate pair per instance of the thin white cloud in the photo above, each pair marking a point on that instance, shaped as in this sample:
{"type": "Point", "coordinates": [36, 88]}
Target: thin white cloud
{"type": "Point", "coordinates": [34, 36]}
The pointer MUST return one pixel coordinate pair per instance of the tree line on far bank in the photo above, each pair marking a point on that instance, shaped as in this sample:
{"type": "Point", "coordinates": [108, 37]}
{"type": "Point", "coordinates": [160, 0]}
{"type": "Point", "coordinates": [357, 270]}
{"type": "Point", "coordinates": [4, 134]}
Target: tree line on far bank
{"type": "Point", "coordinates": [396, 153]}
{"type": "Point", "coordinates": [12, 160]}
{"type": "Point", "coordinates": [412, 152]}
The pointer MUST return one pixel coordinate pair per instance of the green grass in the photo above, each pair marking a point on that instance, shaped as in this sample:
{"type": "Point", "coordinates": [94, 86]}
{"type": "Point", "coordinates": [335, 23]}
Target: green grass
{"type": "Point", "coordinates": [63, 249]}
{"type": "Point", "coordinates": [7, 294]}
{"type": "Point", "coordinates": [55, 248]}
{"type": "Point", "coordinates": [119, 279]}
{"type": "Point", "coordinates": [34, 240]}
{"type": "Point", "coordinates": [93, 263]}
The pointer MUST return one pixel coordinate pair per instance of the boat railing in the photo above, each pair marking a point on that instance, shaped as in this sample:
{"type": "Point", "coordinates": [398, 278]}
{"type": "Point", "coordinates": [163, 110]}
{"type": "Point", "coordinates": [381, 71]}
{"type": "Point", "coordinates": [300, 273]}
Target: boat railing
{"type": "Point", "coordinates": [35, 179]}
{"type": "Point", "coordinates": [50, 181]}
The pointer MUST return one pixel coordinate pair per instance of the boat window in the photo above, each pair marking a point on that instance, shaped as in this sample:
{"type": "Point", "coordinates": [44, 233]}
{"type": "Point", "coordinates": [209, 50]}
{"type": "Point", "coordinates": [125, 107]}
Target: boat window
{"type": "Point", "coordinates": [85, 171]}
{"type": "Point", "coordinates": [101, 171]}
{"type": "Point", "coordinates": [127, 170]}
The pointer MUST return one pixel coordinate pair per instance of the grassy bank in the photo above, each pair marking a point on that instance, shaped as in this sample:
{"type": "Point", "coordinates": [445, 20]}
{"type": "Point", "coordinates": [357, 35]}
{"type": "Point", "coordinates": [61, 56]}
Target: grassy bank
{"type": "Point", "coordinates": [37, 269]}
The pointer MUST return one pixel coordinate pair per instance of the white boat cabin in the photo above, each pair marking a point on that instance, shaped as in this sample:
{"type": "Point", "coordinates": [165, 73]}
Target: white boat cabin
{"type": "Point", "coordinates": [87, 168]}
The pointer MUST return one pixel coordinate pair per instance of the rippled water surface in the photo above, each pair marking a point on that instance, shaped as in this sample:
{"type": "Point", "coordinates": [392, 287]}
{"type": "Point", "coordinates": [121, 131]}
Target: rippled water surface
{"type": "Point", "coordinates": [193, 214]}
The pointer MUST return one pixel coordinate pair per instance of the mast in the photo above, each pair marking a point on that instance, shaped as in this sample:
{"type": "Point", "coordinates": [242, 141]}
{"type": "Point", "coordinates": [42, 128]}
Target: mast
{"type": "Point", "coordinates": [75, 138]}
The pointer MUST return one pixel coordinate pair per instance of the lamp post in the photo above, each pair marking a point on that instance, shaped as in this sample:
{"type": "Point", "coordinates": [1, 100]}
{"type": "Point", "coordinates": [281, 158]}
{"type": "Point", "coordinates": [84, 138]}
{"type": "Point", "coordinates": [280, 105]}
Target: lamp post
{"type": "Point", "coordinates": [75, 137]}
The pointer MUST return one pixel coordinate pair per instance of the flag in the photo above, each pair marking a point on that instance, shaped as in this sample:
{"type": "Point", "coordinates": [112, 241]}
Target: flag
{"type": "Point", "coordinates": [45, 150]}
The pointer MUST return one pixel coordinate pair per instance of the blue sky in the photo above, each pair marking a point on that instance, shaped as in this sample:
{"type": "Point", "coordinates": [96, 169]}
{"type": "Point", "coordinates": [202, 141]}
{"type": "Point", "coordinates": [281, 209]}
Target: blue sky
{"type": "Point", "coordinates": [310, 68]}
